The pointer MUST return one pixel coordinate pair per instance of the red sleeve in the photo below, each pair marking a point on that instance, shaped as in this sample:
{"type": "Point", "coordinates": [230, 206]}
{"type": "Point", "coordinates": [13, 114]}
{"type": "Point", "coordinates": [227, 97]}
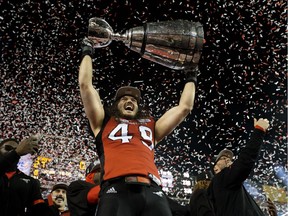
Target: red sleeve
{"type": "Point", "coordinates": [49, 200]}
{"type": "Point", "coordinates": [92, 196]}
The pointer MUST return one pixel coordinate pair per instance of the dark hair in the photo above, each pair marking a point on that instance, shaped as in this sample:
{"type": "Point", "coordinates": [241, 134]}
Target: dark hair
{"type": "Point", "coordinates": [143, 112]}
{"type": "Point", "coordinates": [202, 184]}
{"type": "Point", "coordinates": [206, 175]}
{"type": "Point", "coordinates": [8, 140]}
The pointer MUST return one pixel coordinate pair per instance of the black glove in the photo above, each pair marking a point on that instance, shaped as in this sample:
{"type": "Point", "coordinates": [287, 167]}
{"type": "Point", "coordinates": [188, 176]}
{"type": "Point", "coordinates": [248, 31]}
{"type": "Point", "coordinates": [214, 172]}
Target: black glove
{"type": "Point", "coordinates": [87, 48]}
{"type": "Point", "coordinates": [191, 74]}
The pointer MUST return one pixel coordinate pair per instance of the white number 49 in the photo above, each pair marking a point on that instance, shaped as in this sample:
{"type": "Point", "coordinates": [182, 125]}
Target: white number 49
{"type": "Point", "coordinates": [145, 132]}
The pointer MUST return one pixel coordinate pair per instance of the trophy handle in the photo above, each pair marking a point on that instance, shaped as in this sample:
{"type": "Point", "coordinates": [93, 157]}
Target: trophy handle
{"type": "Point", "coordinates": [100, 32]}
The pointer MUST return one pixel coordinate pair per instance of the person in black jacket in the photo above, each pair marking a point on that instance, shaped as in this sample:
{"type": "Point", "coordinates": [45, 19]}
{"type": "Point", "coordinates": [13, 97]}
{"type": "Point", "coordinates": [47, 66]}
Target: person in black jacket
{"type": "Point", "coordinates": [200, 204]}
{"type": "Point", "coordinates": [57, 200]}
{"type": "Point", "coordinates": [177, 209]}
{"type": "Point", "coordinates": [82, 196]}
{"type": "Point", "coordinates": [226, 189]}
{"type": "Point", "coordinates": [20, 194]}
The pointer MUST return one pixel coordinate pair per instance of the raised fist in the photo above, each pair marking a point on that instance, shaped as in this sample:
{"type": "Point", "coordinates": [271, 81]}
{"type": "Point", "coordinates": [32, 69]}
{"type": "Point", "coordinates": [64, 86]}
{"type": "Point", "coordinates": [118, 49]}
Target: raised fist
{"type": "Point", "coordinates": [263, 123]}
{"type": "Point", "coordinates": [87, 47]}
{"type": "Point", "coordinates": [28, 145]}
{"type": "Point", "coordinates": [191, 74]}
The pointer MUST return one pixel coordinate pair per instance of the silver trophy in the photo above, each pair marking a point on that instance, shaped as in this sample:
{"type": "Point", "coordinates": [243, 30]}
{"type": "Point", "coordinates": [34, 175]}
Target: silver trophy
{"type": "Point", "coordinates": [175, 44]}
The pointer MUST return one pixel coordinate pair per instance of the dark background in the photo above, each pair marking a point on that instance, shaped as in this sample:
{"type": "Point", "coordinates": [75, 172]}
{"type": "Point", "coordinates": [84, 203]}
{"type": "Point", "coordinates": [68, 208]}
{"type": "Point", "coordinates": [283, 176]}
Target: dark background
{"type": "Point", "coordinates": [243, 76]}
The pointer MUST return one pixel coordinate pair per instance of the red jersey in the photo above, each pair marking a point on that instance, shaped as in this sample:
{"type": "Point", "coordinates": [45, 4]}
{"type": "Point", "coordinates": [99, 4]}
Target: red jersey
{"type": "Point", "coordinates": [127, 147]}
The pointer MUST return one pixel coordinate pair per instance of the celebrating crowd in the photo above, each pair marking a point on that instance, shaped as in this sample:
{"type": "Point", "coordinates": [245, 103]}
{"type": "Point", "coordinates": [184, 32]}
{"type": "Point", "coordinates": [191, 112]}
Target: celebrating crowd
{"type": "Point", "coordinates": [242, 76]}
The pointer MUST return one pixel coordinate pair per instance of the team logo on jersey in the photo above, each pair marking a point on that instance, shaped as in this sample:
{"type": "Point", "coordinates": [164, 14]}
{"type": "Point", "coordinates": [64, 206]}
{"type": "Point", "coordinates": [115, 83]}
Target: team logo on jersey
{"type": "Point", "coordinates": [25, 180]}
{"type": "Point", "coordinates": [124, 120]}
{"type": "Point", "coordinates": [141, 121]}
{"type": "Point", "coordinates": [144, 120]}
{"type": "Point", "coordinates": [159, 193]}
{"type": "Point", "coordinates": [111, 190]}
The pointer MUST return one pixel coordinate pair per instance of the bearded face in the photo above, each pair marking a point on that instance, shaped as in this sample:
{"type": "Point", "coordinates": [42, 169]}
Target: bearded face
{"type": "Point", "coordinates": [128, 107]}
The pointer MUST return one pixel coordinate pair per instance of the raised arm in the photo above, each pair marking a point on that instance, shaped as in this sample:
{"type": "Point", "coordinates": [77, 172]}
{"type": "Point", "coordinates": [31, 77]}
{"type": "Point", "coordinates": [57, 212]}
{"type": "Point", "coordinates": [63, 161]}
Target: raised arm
{"type": "Point", "coordinates": [242, 167]}
{"type": "Point", "coordinates": [174, 116]}
{"type": "Point", "coordinates": [90, 97]}
{"type": "Point", "coordinates": [10, 158]}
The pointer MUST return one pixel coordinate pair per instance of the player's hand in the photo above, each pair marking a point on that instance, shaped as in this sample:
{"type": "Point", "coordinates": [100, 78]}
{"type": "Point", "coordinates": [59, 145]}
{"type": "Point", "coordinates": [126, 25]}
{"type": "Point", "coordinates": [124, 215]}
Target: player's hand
{"type": "Point", "coordinates": [191, 74]}
{"type": "Point", "coordinates": [262, 123]}
{"type": "Point", "coordinates": [28, 145]}
{"type": "Point", "coordinates": [87, 47]}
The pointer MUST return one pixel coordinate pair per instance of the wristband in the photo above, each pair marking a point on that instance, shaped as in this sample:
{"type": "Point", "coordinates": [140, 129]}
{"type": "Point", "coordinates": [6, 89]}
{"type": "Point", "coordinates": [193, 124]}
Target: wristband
{"type": "Point", "coordinates": [191, 76]}
{"type": "Point", "coordinates": [260, 128]}
{"type": "Point", "coordinates": [87, 50]}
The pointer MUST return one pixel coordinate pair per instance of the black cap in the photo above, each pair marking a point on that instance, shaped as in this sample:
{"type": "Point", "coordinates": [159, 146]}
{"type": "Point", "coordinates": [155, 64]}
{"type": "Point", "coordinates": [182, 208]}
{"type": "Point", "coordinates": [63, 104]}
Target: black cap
{"type": "Point", "coordinates": [128, 90]}
{"type": "Point", "coordinates": [93, 166]}
{"type": "Point", "coordinates": [224, 152]}
{"type": "Point", "coordinates": [8, 140]}
{"type": "Point", "coordinates": [60, 186]}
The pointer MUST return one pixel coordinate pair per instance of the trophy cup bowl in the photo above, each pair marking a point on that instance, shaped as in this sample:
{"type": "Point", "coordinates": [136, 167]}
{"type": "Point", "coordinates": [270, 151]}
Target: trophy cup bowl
{"type": "Point", "coordinates": [176, 44]}
{"type": "Point", "coordinates": [100, 32]}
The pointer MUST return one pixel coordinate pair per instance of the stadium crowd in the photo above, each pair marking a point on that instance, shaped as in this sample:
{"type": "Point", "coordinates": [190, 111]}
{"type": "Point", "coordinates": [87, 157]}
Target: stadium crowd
{"type": "Point", "coordinates": [243, 75]}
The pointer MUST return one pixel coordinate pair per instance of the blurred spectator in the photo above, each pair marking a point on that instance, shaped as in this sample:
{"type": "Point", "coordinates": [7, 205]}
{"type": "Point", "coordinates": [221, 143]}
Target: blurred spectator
{"type": "Point", "coordinates": [244, 72]}
{"type": "Point", "coordinates": [200, 204]}
{"type": "Point", "coordinates": [57, 200]}
{"type": "Point", "coordinates": [271, 208]}
{"type": "Point", "coordinates": [177, 209]}
{"type": "Point", "coordinates": [226, 189]}
{"type": "Point", "coordinates": [82, 196]}
{"type": "Point", "coordinates": [20, 194]}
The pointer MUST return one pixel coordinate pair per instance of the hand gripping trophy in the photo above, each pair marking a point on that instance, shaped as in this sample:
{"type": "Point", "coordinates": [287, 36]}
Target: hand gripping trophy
{"type": "Point", "coordinates": [176, 44]}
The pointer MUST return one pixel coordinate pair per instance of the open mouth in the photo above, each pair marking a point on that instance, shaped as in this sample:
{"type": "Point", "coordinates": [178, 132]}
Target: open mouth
{"type": "Point", "coordinates": [129, 107]}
